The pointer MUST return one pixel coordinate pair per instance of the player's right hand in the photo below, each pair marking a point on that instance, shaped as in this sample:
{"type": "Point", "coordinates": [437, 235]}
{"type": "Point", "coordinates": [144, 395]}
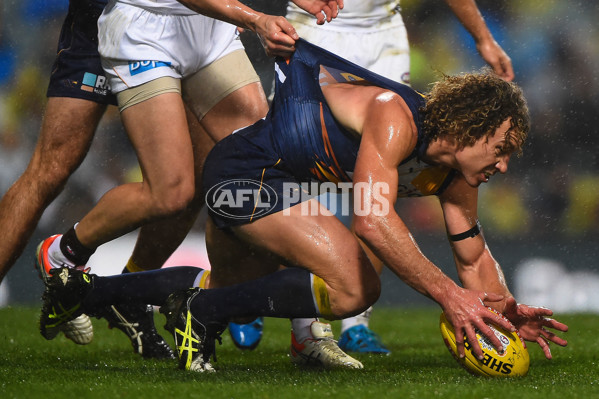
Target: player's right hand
{"type": "Point", "coordinates": [276, 34]}
{"type": "Point", "coordinates": [466, 311]}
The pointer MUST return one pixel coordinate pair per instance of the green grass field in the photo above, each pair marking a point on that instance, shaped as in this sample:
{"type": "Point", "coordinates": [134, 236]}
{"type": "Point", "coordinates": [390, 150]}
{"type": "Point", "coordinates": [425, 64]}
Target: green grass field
{"type": "Point", "coordinates": [419, 367]}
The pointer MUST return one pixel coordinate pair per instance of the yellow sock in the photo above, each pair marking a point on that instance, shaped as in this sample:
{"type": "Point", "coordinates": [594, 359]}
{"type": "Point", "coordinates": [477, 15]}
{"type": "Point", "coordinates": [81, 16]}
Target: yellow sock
{"type": "Point", "coordinates": [202, 279]}
{"type": "Point", "coordinates": [132, 267]}
{"type": "Point", "coordinates": [321, 296]}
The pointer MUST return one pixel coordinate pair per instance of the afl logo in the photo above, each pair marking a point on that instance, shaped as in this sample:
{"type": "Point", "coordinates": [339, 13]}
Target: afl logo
{"type": "Point", "coordinates": [241, 199]}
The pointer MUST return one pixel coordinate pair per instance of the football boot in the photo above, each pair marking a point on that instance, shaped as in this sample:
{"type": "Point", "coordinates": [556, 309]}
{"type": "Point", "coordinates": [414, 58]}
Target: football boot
{"type": "Point", "coordinates": [137, 322]}
{"type": "Point", "coordinates": [79, 330]}
{"type": "Point", "coordinates": [194, 339]}
{"type": "Point", "coordinates": [362, 339]}
{"type": "Point", "coordinates": [247, 336]}
{"type": "Point", "coordinates": [65, 289]}
{"type": "Point", "coordinates": [321, 349]}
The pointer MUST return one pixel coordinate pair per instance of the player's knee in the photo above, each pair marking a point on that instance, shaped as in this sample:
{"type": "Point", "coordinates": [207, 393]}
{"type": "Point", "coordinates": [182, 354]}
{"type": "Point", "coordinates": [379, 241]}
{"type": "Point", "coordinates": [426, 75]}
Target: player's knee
{"type": "Point", "coordinates": [174, 199]}
{"type": "Point", "coordinates": [256, 110]}
{"type": "Point", "coordinates": [369, 287]}
{"type": "Point", "coordinates": [373, 292]}
{"type": "Point", "coordinates": [369, 293]}
{"type": "Point", "coordinates": [48, 180]}
{"type": "Point", "coordinates": [357, 298]}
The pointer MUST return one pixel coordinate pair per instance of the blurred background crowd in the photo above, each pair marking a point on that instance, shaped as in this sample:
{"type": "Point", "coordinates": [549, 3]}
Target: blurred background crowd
{"type": "Point", "coordinates": [547, 206]}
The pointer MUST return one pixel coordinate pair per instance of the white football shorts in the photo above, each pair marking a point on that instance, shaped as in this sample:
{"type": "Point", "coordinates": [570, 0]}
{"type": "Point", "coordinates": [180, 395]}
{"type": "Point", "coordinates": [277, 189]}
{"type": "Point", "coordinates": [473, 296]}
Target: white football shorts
{"type": "Point", "coordinates": [383, 48]}
{"type": "Point", "coordinates": [138, 46]}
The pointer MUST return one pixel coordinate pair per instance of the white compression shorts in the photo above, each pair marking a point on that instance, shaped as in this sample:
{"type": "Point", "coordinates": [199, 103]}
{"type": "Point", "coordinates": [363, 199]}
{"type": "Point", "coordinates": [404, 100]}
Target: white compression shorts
{"type": "Point", "coordinates": [138, 46]}
{"type": "Point", "coordinates": [382, 48]}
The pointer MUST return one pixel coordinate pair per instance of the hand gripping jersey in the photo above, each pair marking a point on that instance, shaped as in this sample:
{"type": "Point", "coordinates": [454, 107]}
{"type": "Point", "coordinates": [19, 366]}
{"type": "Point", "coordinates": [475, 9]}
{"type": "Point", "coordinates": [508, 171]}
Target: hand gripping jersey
{"type": "Point", "coordinates": [254, 172]}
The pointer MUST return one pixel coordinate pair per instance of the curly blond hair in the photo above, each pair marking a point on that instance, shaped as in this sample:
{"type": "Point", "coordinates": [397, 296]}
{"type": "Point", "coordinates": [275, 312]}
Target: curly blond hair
{"type": "Point", "coordinates": [470, 106]}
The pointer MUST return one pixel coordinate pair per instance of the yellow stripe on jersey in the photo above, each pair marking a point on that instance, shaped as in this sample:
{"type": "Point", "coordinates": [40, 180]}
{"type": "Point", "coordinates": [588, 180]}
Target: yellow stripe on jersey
{"type": "Point", "coordinates": [350, 77]}
{"type": "Point", "coordinates": [430, 180]}
{"type": "Point", "coordinates": [260, 189]}
{"type": "Point", "coordinates": [327, 174]}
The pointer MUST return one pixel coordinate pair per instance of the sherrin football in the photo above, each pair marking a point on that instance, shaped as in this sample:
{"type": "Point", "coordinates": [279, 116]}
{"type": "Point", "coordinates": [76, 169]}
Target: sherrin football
{"type": "Point", "coordinates": [514, 361]}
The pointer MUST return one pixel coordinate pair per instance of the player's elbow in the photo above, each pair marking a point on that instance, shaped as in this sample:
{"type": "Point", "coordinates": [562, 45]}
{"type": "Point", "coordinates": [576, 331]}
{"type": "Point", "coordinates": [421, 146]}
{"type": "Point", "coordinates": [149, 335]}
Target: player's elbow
{"type": "Point", "coordinates": [366, 229]}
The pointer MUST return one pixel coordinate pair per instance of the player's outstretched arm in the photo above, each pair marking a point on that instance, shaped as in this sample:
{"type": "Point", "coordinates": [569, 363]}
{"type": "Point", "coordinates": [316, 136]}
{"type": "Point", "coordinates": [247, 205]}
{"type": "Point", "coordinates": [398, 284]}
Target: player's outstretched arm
{"type": "Point", "coordinates": [383, 230]}
{"type": "Point", "coordinates": [478, 269]}
{"type": "Point", "coordinates": [469, 15]}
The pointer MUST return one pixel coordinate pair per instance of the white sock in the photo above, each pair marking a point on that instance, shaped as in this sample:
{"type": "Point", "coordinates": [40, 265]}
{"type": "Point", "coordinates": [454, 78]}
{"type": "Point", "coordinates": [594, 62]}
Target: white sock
{"type": "Point", "coordinates": [301, 328]}
{"type": "Point", "coordinates": [361, 319]}
{"type": "Point", "coordinates": [56, 257]}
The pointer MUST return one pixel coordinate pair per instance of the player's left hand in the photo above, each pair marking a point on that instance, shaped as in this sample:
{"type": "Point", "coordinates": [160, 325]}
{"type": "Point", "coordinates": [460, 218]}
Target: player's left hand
{"type": "Point", "coordinates": [533, 323]}
{"type": "Point", "coordinates": [323, 10]}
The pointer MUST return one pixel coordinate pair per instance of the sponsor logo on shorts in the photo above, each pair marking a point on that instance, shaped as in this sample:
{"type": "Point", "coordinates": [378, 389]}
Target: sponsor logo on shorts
{"type": "Point", "coordinates": [136, 67]}
{"type": "Point", "coordinates": [95, 84]}
{"type": "Point", "coordinates": [241, 199]}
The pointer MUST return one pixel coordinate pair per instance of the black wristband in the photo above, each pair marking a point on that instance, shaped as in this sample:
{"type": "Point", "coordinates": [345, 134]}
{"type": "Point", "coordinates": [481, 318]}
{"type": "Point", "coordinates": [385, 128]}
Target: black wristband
{"type": "Point", "coordinates": [473, 232]}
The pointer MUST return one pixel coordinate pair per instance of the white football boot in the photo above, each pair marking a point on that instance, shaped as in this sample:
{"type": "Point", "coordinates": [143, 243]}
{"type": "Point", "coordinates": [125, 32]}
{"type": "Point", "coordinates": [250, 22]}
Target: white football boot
{"type": "Point", "coordinates": [321, 349]}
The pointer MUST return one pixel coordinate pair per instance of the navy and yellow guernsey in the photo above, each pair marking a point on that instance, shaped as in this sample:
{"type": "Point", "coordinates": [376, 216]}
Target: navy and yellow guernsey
{"type": "Point", "coordinates": [253, 172]}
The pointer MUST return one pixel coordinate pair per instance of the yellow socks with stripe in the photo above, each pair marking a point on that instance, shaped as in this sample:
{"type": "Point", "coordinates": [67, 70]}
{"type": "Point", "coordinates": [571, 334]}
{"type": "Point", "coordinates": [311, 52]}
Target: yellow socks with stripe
{"type": "Point", "coordinates": [202, 279]}
{"type": "Point", "coordinates": [321, 296]}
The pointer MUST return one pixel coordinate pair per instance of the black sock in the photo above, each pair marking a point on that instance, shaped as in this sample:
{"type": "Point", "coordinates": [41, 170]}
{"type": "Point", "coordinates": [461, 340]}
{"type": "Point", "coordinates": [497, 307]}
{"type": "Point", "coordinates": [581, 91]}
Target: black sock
{"type": "Point", "coordinates": [73, 250]}
{"type": "Point", "coordinates": [151, 287]}
{"type": "Point", "coordinates": [286, 293]}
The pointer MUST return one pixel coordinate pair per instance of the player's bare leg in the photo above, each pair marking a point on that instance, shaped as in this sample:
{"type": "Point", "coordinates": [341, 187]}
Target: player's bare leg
{"type": "Point", "coordinates": [159, 133]}
{"type": "Point", "coordinates": [253, 245]}
{"type": "Point", "coordinates": [66, 134]}
{"type": "Point", "coordinates": [241, 108]}
{"type": "Point", "coordinates": [157, 241]}
{"type": "Point", "coordinates": [329, 251]}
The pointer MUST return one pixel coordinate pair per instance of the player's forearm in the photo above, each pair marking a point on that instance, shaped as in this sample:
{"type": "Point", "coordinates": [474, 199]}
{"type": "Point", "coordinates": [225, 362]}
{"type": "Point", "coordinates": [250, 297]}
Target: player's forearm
{"type": "Point", "coordinates": [231, 11]}
{"type": "Point", "coordinates": [393, 244]}
{"type": "Point", "coordinates": [470, 17]}
{"type": "Point", "coordinates": [484, 274]}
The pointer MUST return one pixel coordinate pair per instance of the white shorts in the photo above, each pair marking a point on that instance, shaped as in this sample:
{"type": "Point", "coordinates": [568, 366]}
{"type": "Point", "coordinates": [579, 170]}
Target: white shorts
{"type": "Point", "coordinates": [383, 49]}
{"type": "Point", "coordinates": [138, 46]}
{"type": "Point", "coordinates": [202, 90]}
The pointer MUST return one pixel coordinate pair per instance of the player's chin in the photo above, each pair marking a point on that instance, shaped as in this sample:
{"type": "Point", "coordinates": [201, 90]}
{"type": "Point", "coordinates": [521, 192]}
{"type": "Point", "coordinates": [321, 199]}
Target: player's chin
{"type": "Point", "coordinates": [475, 181]}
